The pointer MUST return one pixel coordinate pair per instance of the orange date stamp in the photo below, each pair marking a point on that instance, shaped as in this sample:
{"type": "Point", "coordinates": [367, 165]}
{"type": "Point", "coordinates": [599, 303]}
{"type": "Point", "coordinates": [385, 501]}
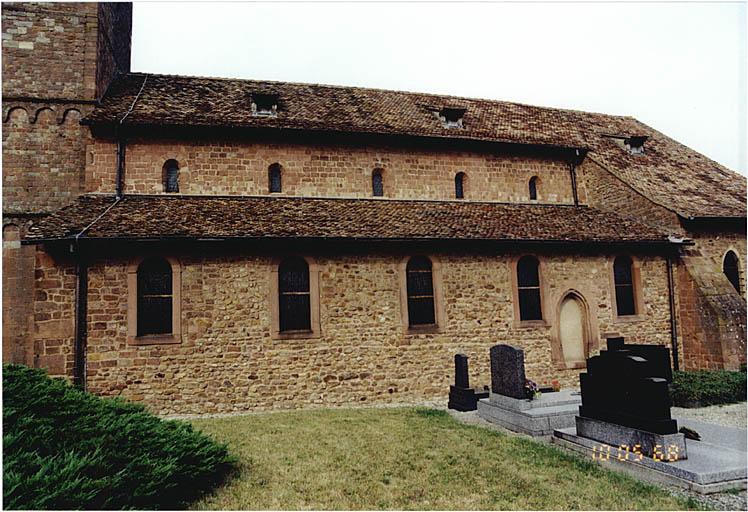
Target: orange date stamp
{"type": "Point", "coordinates": [669, 453]}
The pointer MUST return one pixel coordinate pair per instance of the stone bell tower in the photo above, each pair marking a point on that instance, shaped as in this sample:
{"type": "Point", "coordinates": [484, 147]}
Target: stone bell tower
{"type": "Point", "coordinates": [58, 60]}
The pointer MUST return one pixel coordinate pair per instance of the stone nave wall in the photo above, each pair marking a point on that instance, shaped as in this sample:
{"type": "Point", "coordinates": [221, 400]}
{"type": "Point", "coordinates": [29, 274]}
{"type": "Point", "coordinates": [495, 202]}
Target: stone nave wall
{"type": "Point", "coordinates": [227, 360]}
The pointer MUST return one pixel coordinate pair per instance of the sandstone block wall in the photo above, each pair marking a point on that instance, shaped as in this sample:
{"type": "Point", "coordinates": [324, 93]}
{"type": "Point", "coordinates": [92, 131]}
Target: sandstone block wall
{"type": "Point", "coordinates": [241, 168]}
{"type": "Point", "coordinates": [49, 50]}
{"type": "Point", "coordinates": [227, 360]}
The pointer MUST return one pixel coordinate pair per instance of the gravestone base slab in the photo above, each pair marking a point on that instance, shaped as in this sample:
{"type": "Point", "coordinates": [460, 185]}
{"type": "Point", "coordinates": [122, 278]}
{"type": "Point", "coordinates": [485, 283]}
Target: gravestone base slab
{"type": "Point", "coordinates": [619, 435]}
{"type": "Point", "coordinates": [464, 399]}
{"type": "Point", "coordinates": [717, 463]}
{"type": "Point", "coordinates": [537, 418]}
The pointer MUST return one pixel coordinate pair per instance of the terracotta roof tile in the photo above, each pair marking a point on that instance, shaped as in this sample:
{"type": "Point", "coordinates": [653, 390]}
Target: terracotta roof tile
{"type": "Point", "coordinates": [149, 217]}
{"type": "Point", "coordinates": [669, 173]}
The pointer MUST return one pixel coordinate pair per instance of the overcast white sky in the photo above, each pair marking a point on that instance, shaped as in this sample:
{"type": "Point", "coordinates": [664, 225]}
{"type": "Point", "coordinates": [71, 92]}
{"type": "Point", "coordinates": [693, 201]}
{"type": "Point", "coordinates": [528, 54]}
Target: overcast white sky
{"type": "Point", "coordinates": [679, 67]}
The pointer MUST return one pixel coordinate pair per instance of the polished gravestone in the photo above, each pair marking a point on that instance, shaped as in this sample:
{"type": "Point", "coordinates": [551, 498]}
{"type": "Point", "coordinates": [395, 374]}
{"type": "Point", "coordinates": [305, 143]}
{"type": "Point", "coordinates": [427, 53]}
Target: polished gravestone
{"type": "Point", "coordinates": [509, 406]}
{"type": "Point", "coordinates": [508, 371]}
{"type": "Point", "coordinates": [626, 402]}
{"type": "Point", "coordinates": [461, 396]}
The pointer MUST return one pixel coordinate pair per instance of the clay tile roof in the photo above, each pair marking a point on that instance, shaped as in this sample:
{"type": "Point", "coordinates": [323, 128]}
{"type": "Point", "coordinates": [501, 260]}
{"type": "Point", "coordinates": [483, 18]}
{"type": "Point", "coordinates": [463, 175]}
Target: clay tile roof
{"type": "Point", "coordinates": [159, 217]}
{"type": "Point", "coordinates": [668, 173]}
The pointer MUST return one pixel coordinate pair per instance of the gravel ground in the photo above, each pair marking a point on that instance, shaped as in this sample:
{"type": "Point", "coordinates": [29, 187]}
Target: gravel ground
{"type": "Point", "coordinates": [731, 415]}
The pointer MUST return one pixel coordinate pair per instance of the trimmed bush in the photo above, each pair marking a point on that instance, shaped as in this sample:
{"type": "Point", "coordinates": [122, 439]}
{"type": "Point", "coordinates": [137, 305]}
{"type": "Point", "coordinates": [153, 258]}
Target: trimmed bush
{"type": "Point", "coordinates": [697, 389]}
{"type": "Point", "coordinates": [66, 449]}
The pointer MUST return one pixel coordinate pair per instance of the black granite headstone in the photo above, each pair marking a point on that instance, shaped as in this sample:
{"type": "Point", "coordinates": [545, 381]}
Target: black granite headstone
{"type": "Point", "coordinates": [508, 371]}
{"type": "Point", "coordinates": [461, 396]}
{"type": "Point", "coordinates": [462, 380]}
{"type": "Point", "coordinates": [628, 385]}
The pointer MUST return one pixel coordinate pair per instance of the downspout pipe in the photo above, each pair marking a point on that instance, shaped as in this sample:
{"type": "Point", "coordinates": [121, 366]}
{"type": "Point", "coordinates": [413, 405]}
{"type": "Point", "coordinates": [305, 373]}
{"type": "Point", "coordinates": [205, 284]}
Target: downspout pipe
{"type": "Point", "coordinates": [574, 161]}
{"type": "Point", "coordinates": [673, 320]}
{"type": "Point", "coordinates": [81, 303]}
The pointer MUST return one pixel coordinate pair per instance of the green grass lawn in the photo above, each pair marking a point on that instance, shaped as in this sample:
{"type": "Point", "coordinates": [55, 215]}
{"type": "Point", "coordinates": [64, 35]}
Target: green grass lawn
{"type": "Point", "coordinates": [407, 458]}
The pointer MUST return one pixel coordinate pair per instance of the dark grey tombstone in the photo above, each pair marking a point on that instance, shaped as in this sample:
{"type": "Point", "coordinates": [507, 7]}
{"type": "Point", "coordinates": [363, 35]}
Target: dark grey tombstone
{"type": "Point", "coordinates": [508, 371]}
{"type": "Point", "coordinates": [461, 396]}
{"type": "Point", "coordinates": [462, 380]}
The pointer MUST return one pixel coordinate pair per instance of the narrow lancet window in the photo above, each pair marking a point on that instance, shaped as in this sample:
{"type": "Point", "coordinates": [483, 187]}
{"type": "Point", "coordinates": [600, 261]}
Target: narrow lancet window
{"type": "Point", "coordinates": [460, 185]}
{"type": "Point", "coordinates": [274, 178]}
{"type": "Point", "coordinates": [533, 188]}
{"type": "Point", "coordinates": [171, 176]}
{"type": "Point", "coordinates": [377, 184]}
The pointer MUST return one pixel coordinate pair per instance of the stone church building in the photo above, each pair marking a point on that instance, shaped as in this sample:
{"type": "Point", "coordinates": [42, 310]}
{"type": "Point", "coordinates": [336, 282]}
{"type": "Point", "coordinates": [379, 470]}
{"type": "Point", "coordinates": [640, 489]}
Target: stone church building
{"type": "Point", "coordinates": [214, 245]}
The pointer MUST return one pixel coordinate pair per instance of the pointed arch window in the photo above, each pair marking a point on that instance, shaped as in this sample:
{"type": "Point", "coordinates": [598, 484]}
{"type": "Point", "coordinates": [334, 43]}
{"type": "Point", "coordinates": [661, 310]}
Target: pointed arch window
{"type": "Point", "coordinates": [533, 186]}
{"type": "Point", "coordinates": [377, 183]}
{"type": "Point", "coordinates": [731, 269]}
{"type": "Point", "coordinates": [274, 178]}
{"type": "Point", "coordinates": [528, 288]}
{"type": "Point", "coordinates": [624, 282]}
{"type": "Point", "coordinates": [460, 185]}
{"type": "Point", "coordinates": [420, 284]}
{"type": "Point", "coordinates": [171, 176]}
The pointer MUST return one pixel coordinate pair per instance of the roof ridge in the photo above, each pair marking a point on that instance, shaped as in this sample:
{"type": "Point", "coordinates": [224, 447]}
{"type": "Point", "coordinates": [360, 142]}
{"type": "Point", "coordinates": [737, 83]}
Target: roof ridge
{"type": "Point", "coordinates": [380, 89]}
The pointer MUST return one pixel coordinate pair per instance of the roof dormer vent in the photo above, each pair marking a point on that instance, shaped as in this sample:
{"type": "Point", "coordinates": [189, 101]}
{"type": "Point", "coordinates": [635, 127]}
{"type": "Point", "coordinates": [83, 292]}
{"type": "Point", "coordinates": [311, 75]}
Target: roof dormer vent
{"type": "Point", "coordinates": [451, 117]}
{"type": "Point", "coordinates": [635, 144]}
{"type": "Point", "coordinates": [264, 105]}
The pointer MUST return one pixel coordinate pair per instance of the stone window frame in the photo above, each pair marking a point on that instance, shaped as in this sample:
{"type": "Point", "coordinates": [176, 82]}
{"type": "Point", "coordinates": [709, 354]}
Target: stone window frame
{"type": "Point", "coordinates": [518, 322]}
{"type": "Point", "coordinates": [314, 302]}
{"type": "Point", "coordinates": [176, 306]}
{"type": "Point", "coordinates": [440, 315]}
{"type": "Point", "coordinates": [636, 280]}
{"type": "Point", "coordinates": [592, 336]}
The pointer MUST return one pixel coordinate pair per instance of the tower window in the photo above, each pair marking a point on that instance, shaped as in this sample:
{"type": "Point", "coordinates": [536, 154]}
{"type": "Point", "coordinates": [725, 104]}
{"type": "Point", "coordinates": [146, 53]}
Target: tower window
{"type": "Point", "coordinates": [731, 269]}
{"type": "Point", "coordinates": [170, 176]}
{"type": "Point", "coordinates": [274, 178]}
{"type": "Point", "coordinates": [460, 185]}
{"type": "Point", "coordinates": [377, 184]}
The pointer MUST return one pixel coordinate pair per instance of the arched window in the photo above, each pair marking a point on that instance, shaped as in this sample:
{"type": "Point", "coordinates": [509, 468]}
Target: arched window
{"type": "Point", "coordinates": [731, 268]}
{"type": "Point", "coordinates": [460, 185]}
{"type": "Point", "coordinates": [170, 176]}
{"type": "Point", "coordinates": [624, 283]}
{"type": "Point", "coordinates": [533, 188]}
{"type": "Point", "coordinates": [155, 296]}
{"type": "Point", "coordinates": [294, 298]}
{"type": "Point", "coordinates": [528, 288]}
{"type": "Point", "coordinates": [420, 284]}
{"type": "Point", "coordinates": [274, 178]}
{"type": "Point", "coordinates": [377, 185]}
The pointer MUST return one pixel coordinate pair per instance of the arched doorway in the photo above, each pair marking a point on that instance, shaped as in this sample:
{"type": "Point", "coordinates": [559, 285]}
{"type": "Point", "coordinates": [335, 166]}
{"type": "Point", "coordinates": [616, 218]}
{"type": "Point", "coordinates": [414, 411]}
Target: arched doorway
{"type": "Point", "coordinates": [572, 320]}
{"type": "Point", "coordinates": [731, 269]}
